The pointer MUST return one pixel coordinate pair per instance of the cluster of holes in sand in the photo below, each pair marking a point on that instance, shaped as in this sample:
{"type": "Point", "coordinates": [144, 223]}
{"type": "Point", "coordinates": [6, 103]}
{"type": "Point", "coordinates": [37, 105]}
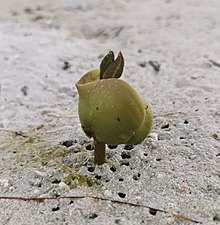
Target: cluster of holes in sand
{"type": "Point", "coordinates": [125, 161]}
{"type": "Point", "coordinates": [125, 158]}
{"type": "Point", "coordinates": [166, 127]}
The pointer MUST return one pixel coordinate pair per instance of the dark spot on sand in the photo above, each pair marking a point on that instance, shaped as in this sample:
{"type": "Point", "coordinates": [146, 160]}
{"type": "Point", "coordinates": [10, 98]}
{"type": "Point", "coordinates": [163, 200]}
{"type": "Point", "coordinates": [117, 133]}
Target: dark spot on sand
{"type": "Point", "coordinates": [152, 211]}
{"type": "Point", "coordinates": [112, 146]}
{"type": "Point", "coordinates": [155, 65]}
{"type": "Point", "coordinates": [67, 143]}
{"type": "Point", "coordinates": [24, 90]}
{"type": "Point", "coordinates": [142, 64]}
{"type": "Point", "coordinates": [93, 216]}
{"type": "Point", "coordinates": [164, 126]}
{"type": "Point", "coordinates": [121, 195]}
{"type": "Point", "coordinates": [66, 65]}
{"type": "Point", "coordinates": [89, 147]}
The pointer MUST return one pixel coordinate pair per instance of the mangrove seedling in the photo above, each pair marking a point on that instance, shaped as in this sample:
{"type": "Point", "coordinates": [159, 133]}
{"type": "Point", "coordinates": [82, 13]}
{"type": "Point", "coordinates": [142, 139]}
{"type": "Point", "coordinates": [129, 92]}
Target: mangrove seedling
{"type": "Point", "coordinates": [110, 110]}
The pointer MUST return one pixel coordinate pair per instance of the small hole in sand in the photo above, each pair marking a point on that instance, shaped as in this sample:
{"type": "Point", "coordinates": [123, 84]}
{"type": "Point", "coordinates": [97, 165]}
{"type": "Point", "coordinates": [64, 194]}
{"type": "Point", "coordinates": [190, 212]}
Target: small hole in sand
{"type": "Point", "coordinates": [136, 176]}
{"type": "Point", "coordinates": [93, 216]}
{"type": "Point", "coordinates": [121, 195]}
{"type": "Point", "coordinates": [152, 211]}
{"type": "Point", "coordinates": [98, 177]}
{"type": "Point", "coordinates": [67, 143]}
{"type": "Point", "coordinates": [113, 169]}
{"type": "Point", "coordinates": [125, 155]}
{"type": "Point", "coordinates": [112, 146]}
{"type": "Point", "coordinates": [91, 169]}
{"type": "Point", "coordinates": [89, 147]}
{"type": "Point", "coordinates": [54, 209]}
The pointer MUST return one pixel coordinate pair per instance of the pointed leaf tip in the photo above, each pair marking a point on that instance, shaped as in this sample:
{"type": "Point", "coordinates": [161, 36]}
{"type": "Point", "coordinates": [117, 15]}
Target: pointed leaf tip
{"type": "Point", "coordinates": [107, 60]}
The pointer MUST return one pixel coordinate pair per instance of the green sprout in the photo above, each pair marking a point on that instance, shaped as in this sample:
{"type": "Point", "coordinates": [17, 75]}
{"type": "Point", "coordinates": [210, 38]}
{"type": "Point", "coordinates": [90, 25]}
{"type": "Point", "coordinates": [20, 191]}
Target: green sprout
{"type": "Point", "coordinates": [110, 110]}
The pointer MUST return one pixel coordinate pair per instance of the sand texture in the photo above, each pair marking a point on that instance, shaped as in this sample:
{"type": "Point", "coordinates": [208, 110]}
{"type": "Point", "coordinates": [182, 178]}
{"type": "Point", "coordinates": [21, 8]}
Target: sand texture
{"type": "Point", "coordinates": [172, 58]}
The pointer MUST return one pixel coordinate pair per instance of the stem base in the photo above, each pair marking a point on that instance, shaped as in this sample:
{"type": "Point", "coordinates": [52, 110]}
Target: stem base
{"type": "Point", "coordinates": [99, 153]}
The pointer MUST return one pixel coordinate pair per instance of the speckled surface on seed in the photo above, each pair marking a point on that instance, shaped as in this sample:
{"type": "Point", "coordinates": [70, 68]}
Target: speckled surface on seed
{"type": "Point", "coordinates": [176, 169]}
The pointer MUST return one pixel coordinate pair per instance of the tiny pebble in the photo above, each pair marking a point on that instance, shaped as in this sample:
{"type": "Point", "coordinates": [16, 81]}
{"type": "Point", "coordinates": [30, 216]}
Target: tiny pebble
{"type": "Point", "coordinates": [154, 136]}
{"type": "Point", "coordinates": [108, 194]}
{"type": "Point", "coordinates": [138, 198]}
{"type": "Point", "coordinates": [4, 183]}
{"type": "Point", "coordinates": [40, 174]}
{"type": "Point", "coordinates": [170, 220]}
{"type": "Point", "coordinates": [153, 144]}
{"type": "Point", "coordinates": [63, 186]}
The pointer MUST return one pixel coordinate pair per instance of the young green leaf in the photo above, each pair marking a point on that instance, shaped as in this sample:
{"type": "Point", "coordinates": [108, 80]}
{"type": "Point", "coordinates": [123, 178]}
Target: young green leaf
{"type": "Point", "coordinates": [107, 60]}
{"type": "Point", "coordinates": [115, 69]}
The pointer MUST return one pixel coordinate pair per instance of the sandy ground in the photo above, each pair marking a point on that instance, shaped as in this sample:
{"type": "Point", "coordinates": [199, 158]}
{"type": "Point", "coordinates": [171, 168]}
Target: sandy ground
{"type": "Point", "coordinates": [44, 153]}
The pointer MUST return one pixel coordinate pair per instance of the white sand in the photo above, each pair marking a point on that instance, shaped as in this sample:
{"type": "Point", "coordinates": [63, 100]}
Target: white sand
{"type": "Point", "coordinates": [179, 173]}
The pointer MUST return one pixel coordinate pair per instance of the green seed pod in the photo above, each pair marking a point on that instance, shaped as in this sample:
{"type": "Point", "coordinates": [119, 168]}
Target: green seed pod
{"type": "Point", "coordinates": [111, 111]}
